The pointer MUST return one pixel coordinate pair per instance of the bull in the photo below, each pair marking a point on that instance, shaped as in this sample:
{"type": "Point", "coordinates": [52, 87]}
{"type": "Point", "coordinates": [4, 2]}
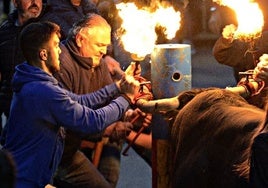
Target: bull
{"type": "Point", "coordinates": [212, 134]}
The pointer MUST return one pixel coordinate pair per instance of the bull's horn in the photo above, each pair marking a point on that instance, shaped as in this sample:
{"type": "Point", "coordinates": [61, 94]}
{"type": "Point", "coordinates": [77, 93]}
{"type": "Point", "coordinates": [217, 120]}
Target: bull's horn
{"type": "Point", "coordinates": [159, 105]}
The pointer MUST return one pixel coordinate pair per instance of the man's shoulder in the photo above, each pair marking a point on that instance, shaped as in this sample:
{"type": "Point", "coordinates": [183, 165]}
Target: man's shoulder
{"type": "Point", "coordinates": [8, 27]}
{"type": "Point", "coordinates": [6, 24]}
{"type": "Point", "coordinates": [8, 30]}
{"type": "Point", "coordinates": [10, 21]}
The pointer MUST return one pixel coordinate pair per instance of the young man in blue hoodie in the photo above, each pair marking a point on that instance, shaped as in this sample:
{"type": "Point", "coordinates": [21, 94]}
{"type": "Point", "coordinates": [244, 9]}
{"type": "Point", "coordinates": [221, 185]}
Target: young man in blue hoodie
{"type": "Point", "coordinates": [41, 109]}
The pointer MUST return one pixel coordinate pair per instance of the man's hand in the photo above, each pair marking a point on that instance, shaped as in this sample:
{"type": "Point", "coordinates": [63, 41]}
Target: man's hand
{"type": "Point", "coordinates": [128, 86]}
{"type": "Point", "coordinates": [229, 32]}
{"type": "Point", "coordinates": [114, 67]}
{"type": "Point", "coordinates": [134, 69]}
{"type": "Point", "coordinates": [261, 70]}
{"type": "Point", "coordinates": [118, 131]}
{"type": "Point", "coordinates": [138, 118]}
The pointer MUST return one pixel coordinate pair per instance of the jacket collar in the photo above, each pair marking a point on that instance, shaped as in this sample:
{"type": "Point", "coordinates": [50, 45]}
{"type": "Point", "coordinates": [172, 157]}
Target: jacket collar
{"type": "Point", "coordinates": [85, 62]}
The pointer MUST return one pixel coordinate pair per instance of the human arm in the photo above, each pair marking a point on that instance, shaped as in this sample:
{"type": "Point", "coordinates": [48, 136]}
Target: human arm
{"type": "Point", "coordinates": [261, 70]}
{"type": "Point", "coordinates": [140, 120]}
{"type": "Point", "coordinates": [134, 69]}
{"type": "Point", "coordinates": [74, 116]}
{"type": "Point", "coordinates": [127, 86]}
{"type": "Point", "coordinates": [97, 98]}
{"type": "Point", "coordinates": [113, 67]}
{"type": "Point", "coordinates": [144, 140]}
{"type": "Point", "coordinates": [118, 131]}
{"type": "Point", "coordinates": [232, 52]}
{"type": "Point", "coordinates": [255, 82]}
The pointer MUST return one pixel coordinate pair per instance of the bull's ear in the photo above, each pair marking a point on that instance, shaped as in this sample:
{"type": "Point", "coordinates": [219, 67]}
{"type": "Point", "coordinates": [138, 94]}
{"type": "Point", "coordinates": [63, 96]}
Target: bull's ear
{"type": "Point", "coordinates": [170, 116]}
{"type": "Point", "coordinates": [186, 96]}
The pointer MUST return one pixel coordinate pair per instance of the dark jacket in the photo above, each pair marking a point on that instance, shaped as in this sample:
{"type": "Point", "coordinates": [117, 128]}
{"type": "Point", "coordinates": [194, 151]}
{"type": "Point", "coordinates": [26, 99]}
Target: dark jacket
{"type": "Point", "coordinates": [63, 13]}
{"type": "Point", "coordinates": [10, 56]}
{"type": "Point", "coordinates": [76, 72]}
{"type": "Point", "coordinates": [39, 108]}
{"type": "Point", "coordinates": [77, 75]}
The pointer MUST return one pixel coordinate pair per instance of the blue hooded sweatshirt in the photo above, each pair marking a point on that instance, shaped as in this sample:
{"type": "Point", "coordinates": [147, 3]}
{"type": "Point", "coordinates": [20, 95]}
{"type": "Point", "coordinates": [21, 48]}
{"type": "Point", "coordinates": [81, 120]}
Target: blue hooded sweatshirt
{"type": "Point", "coordinates": [39, 110]}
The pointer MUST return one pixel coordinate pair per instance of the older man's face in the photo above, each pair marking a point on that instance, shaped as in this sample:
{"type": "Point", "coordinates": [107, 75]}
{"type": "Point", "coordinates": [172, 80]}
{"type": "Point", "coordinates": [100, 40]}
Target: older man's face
{"type": "Point", "coordinates": [28, 8]}
{"type": "Point", "coordinates": [95, 42]}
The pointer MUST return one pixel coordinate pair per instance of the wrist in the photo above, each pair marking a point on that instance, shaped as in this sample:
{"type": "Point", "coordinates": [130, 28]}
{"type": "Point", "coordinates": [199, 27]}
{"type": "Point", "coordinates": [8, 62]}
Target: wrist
{"type": "Point", "coordinates": [128, 98]}
{"type": "Point", "coordinates": [228, 40]}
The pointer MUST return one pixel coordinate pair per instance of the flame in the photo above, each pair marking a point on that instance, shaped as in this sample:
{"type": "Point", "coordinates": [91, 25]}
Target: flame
{"type": "Point", "coordinates": [138, 26]}
{"type": "Point", "coordinates": [249, 16]}
{"type": "Point", "coordinates": [163, 16]}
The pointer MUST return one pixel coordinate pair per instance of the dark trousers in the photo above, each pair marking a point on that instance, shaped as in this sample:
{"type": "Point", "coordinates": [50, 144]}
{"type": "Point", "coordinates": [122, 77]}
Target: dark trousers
{"type": "Point", "coordinates": [81, 173]}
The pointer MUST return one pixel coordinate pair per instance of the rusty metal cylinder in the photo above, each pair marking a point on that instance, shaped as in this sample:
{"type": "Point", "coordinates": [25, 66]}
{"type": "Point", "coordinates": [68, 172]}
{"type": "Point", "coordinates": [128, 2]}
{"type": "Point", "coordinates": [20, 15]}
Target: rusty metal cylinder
{"type": "Point", "coordinates": [170, 69]}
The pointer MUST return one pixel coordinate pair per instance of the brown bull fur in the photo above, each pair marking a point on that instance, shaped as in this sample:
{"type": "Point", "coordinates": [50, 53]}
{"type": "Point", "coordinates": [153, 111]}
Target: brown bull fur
{"type": "Point", "coordinates": [211, 139]}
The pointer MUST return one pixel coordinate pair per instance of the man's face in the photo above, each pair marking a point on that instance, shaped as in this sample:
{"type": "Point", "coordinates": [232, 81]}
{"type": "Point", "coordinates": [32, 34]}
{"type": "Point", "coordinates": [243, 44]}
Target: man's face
{"type": "Point", "coordinates": [94, 43]}
{"type": "Point", "coordinates": [53, 52]}
{"type": "Point", "coordinates": [94, 1]}
{"type": "Point", "coordinates": [28, 8]}
{"type": "Point", "coordinates": [76, 2]}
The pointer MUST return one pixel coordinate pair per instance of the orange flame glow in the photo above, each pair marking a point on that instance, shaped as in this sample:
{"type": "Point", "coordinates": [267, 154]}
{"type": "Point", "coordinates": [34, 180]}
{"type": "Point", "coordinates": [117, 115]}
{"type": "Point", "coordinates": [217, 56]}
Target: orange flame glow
{"type": "Point", "coordinates": [249, 17]}
{"type": "Point", "coordinates": [139, 25]}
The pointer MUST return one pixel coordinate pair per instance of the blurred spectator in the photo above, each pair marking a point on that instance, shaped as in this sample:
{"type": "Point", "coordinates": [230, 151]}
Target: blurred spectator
{"type": "Point", "coordinates": [220, 17]}
{"type": "Point", "coordinates": [6, 10]}
{"type": "Point", "coordinates": [241, 55]}
{"type": "Point", "coordinates": [66, 12]}
{"type": "Point", "coordinates": [10, 53]}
